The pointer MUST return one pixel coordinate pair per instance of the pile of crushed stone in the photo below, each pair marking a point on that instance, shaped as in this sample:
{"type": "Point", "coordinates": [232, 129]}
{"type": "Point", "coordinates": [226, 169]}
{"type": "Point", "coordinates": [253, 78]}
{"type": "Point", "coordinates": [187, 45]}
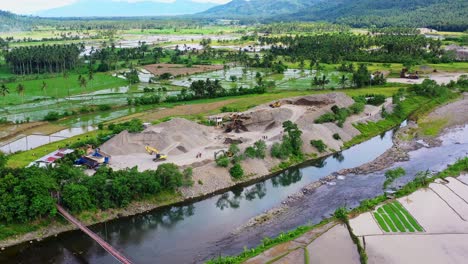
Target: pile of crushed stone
{"type": "Point", "coordinates": [176, 135]}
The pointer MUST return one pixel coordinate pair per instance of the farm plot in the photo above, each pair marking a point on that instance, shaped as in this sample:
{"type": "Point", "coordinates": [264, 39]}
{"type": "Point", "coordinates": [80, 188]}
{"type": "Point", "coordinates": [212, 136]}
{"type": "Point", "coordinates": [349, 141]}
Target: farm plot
{"type": "Point", "coordinates": [238, 76]}
{"type": "Point", "coordinates": [180, 69]}
{"type": "Point", "coordinates": [305, 81]}
{"type": "Point", "coordinates": [393, 217]}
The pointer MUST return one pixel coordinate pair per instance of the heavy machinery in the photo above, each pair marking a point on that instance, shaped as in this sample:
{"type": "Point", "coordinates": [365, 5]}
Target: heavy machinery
{"type": "Point", "coordinates": [223, 152]}
{"type": "Point", "coordinates": [236, 123]}
{"type": "Point", "coordinates": [275, 104]}
{"type": "Point", "coordinates": [406, 74]}
{"type": "Point", "coordinates": [158, 157]}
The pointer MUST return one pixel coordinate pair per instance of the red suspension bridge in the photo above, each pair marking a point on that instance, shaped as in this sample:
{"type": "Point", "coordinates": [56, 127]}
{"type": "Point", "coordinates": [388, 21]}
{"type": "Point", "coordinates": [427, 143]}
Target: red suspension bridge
{"type": "Point", "coordinates": [116, 254]}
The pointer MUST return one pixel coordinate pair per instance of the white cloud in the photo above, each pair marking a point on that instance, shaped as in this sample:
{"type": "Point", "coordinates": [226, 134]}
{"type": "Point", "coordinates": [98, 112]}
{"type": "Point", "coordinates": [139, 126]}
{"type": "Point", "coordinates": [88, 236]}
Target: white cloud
{"type": "Point", "coordinates": [32, 6]}
{"type": "Point", "coordinates": [212, 1]}
{"type": "Point", "coordinates": [136, 1]}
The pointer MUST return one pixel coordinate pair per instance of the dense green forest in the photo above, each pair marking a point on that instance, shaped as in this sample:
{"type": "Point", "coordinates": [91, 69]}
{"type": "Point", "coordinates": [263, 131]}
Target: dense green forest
{"type": "Point", "coordinates": [336, 47]}
{"type": "Point", "coordinates": [438, 14]}
{"type": "Point", "coordinates": [43, 58]}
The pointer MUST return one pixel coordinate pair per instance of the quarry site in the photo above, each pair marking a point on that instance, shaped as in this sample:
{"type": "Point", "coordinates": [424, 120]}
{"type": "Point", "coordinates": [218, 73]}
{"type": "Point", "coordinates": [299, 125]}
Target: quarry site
{"type": "Point", "coordinates": [189, 144]}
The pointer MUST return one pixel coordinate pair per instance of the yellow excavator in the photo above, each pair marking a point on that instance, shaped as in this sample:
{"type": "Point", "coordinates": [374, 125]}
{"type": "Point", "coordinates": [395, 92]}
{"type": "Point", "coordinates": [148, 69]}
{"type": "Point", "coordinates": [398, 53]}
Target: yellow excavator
{"type": "Point", "coordinates": [159, 156]}
{"type": "Point", "coordinates": [275, 104]}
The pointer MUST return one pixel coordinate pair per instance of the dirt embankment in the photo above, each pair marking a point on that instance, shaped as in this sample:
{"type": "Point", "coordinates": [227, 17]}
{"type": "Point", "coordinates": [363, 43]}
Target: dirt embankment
{"type": "Point", "coordinates": [180, 69]}
{"type": "Point", "coordinates": [409, 138]}
{"type": "Point", "coordinates": [10, 131]}
{"type": "Point", "coordinates": [399, 152]}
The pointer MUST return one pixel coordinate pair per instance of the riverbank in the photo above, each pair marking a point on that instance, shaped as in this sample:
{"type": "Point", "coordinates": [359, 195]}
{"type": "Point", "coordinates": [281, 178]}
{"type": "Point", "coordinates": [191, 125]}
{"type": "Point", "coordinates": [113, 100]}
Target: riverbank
{"type": "Point", "coordinates": [407, 139]}
{"type": "Point", "coordinates": [298, 202]}
{"type": "Point", "coordinates": [138, 207]}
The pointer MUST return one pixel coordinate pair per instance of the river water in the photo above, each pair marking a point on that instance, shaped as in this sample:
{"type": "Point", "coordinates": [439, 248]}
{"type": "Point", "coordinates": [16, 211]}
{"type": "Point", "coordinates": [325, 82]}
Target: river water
{"type": "Point", "coordinates": [194, 232]}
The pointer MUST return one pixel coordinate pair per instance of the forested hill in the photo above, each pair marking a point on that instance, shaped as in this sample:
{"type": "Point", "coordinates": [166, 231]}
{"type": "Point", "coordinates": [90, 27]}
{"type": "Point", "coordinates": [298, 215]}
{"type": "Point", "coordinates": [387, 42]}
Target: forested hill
{"type": "Point", "coordinates": [10, 21]}
{"type": "Point", "coordinates": [438, 14]}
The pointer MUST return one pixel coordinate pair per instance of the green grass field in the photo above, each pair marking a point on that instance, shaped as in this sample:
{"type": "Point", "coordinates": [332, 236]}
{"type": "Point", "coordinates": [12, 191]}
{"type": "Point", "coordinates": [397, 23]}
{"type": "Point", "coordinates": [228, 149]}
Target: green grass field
{"type": "Point", "coordinates": [395, 218]}
{"type": "Point", "coordinates": [58, 87]}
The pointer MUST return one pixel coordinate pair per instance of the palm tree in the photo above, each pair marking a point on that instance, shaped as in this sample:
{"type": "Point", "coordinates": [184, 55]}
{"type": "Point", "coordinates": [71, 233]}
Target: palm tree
{"type": "Point", "coordinates": [324, 81]}
{"type": "Point", "coordinates": [44, 88]}
{"type": "Point", "coordinates": [65, 76]}
{"type": "Point", "coordinates": [90, 74]}
{"type": "Point", "coordinates": [20, 90]}
{"type": "Point", "coordinates": [82, 82]}
{"type": "Point", "coordinates": [343, 81]}
{"type": "Point", "coordinates": [4, 91]}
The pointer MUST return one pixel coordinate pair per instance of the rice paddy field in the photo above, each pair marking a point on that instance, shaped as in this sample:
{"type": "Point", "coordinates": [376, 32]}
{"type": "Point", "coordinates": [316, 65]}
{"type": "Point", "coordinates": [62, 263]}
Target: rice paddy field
{"type": "Point", "coordinates": [393, 217]}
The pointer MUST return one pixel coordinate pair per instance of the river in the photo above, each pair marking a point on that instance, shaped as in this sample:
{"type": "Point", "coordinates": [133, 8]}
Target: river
{"type": "Point", "coordinates": [196, 231]}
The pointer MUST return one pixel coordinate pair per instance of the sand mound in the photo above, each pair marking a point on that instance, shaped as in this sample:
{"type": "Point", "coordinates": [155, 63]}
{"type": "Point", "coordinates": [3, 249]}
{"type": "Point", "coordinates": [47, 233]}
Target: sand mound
{"type": "Point", "coordinates": [267, 118]}
{"type": "Point", "coordinates": [176, 135]}
{"type": "Point", "coordinates": [321, 100]}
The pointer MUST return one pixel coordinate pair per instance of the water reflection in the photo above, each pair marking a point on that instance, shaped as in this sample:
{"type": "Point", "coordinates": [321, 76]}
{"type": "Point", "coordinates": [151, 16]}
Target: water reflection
{"type": "Point", "coordinates": [339, 157]}
{"type": "Point", "coordinates": [257, 191]}
{"type": "Point", "coordinates": [287, 178]}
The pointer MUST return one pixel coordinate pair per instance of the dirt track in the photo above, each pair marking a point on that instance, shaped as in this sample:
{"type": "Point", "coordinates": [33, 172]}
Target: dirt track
{"type": "Point", "coordinates": [439, 77]}
{"type": "Point", "coordinates": [180, 110]}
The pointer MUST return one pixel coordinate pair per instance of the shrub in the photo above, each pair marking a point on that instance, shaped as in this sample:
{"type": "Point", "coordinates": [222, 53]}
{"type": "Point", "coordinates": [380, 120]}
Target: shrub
{"type": "Point", "coordinates": [335, 109]}
{"type": "Point", "coordinates": [341, 214]}
{"type": "Point", "coordinates": [225, 109]}
{"type": "Point", "coordinates": [104, 107]}
{"type": "Point", "coordinates": [319, 145]}
{"type": "Point", "coordinates": [187, 176]}
{"type": "Point", "coordinates": [250, 152]}
{"type": "Point", "coordinates": [236, 171]}
{"type": "Point", "coordinates": [52, 116]}
{"type": "Point", "coordinates": [234, 149]}
{"type": "Point", "coordinates": [280, 150]}
{"type": "Point", "coordinates": [222, 161]}
{"type": "Point", "coordinates": [132, 126]}
{"type": "Point", "coordinates": [391, 175]}
{"type": "Point", "coordinates": [376, 99]}
{"type": "Point", "coordinates": [336, 136]}
{"type": "Point", "coordinates": [257, 150]}
{"type": "Point", "coordinates": [357, 108]}
{"type": "Point", "coordinates": [325, 118]}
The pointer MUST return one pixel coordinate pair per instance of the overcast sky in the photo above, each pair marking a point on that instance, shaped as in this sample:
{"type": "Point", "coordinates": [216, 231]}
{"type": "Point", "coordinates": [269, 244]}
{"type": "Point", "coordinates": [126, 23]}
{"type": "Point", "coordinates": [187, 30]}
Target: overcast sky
{"type": "Point", "coordinates": [32, 6]}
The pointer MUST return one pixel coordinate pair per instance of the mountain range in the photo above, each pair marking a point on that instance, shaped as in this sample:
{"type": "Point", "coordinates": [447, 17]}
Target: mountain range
{"type": "Point", "coordinates": [450, 15]}
{"type": "Point", "coordinates": [442, 14]}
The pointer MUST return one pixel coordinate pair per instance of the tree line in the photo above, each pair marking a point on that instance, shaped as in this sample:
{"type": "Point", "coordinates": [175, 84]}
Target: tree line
{"type": "Point", "coordinates": [337, 47]}
{"type": "Point", "coordinates": [26, 193]}
{"type": "Point", "coordinates": [43, 58]}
